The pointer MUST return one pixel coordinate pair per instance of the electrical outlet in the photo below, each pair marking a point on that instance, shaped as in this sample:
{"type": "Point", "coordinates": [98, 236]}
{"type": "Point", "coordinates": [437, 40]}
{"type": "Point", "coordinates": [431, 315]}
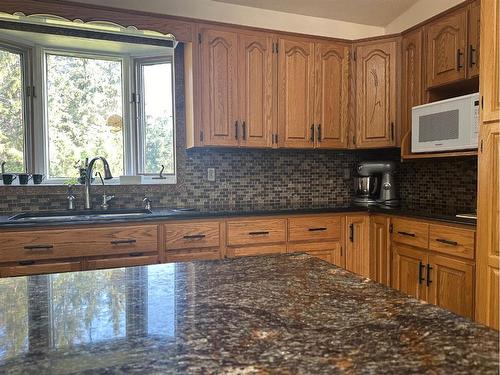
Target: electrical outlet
{"type": "Point", "coordinates": [211, 174]}
{"type": "Point", "coordinates": [347, 173]}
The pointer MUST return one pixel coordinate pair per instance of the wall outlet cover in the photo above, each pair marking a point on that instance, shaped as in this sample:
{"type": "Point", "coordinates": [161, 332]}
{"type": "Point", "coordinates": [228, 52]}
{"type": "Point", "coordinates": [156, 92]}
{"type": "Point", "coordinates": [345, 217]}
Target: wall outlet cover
{"type": "Point", "coordinates": [211, 174]}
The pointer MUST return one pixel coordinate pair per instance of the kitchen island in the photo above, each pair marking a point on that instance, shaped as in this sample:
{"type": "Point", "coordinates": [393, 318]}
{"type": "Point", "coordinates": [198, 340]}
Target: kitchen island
{"type": "Point", "coordinates": [274, 314]}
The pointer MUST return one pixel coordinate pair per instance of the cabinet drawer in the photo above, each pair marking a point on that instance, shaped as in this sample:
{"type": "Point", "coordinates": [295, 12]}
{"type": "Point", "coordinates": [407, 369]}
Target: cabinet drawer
{"type": "Point", "coordinates": [314, 228]}
{"type": "Point", "coordinates": [452, 240]}
{"type": "Point", "coordinates": [192, 254]}
{"type": "Point", "coordinates": [253, 232]}
{"type": "Point", "coordinates": [128, 260]}
{"type": "Point", "coordinates": [410, 232]}
{"type": "Point", "coordinates": [70, 243]}
{"type": "Point", "coordinates": [39, 268]}
{"type": "Point", "coordinates": [192, 235]}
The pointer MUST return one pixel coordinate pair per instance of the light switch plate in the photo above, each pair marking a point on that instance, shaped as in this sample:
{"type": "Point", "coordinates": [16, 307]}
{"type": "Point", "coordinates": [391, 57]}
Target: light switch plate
{"type": "Point", "coordinates": [211, 174]}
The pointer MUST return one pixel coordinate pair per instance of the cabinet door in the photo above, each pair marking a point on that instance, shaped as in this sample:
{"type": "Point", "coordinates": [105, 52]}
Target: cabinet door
{"type": "Point", "coordinates": [450, 284]}
{"type": "Point", "coordinates": [331, 95]}
{"type": "Point", "coordinates": [488, 244]}
{"type": "Point", "coordinates": [408, 271]}
{"type": "Point", "coordinates": [490, 44]}
{"type": "Point", "coordinates": [473, 39]}
{"type": "Point", "coordinates": [219, 87]}
{"type": "Point", "coordinates": [446, 49]}
{"type": "Point", "coordinates": [357, 245]}
{"type": "Point", "coordinates": [376, 95]}
{"type": "Point", "coordinates": [255, 90]}
{"type": "Point", "coordinates": [412, 92]}
{"type": "Point", "coordinates": [296, 93]}
{"type": "Point", "coordinates": [380, 250]}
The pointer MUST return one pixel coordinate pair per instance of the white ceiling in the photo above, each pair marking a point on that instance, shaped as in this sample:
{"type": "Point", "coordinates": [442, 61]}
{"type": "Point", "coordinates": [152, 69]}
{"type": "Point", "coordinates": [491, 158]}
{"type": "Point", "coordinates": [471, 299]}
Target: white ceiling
{"type": "Point", "coordinates": [368, 12]}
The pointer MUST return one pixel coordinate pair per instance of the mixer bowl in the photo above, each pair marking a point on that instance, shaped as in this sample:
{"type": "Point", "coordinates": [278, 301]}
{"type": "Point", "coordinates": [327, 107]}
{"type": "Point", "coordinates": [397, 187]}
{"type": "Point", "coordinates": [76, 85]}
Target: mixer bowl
{"type": "Point", "coordinates": [366, 186]}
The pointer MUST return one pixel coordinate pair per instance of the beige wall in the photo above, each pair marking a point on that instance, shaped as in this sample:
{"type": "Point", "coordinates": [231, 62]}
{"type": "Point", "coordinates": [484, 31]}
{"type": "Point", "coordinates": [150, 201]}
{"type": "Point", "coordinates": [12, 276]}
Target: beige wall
{"type": "Point", "coordinates": [420, 11]}
{"type": "Point", "coordinates": [241, 15]}
{"type": "Point", "coordinates": [247, 16]}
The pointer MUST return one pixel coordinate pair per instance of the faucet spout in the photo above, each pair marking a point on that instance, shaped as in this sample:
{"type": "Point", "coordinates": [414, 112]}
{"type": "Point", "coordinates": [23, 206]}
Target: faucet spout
{"type": "Point", "coordinates": [88, 178]}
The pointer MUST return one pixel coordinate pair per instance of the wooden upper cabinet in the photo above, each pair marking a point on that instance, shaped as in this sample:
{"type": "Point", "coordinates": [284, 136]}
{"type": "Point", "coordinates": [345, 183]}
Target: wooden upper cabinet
{"type": "Point", "coordinates": [474, 32]}
{"type": "Point", "coordinates": [331, 95]}
{"type": "Point", "coordinates": [296, 93]}
{"type": "Point", "coordinates": [255, 90]}
{"type": "Point", "coordinates": [446, 49]}
{"type": "Point", "coordinates": [219, 74]}
{"type": "Point", "coordinates": [376, 96]}
{"type": "Point", "coordinates": [412, 83]}
{"type": "Point", "coordinates": [490, 44]}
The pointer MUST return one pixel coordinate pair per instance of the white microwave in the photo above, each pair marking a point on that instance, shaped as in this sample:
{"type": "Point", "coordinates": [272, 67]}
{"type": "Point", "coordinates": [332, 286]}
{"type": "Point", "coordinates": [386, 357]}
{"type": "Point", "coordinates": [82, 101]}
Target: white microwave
{"type": "Point", "coordinates": [447, 125]}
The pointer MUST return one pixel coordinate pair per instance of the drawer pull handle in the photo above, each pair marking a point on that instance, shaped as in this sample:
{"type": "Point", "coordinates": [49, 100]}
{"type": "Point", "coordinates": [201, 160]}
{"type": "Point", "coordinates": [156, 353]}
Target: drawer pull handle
{"type": "Point", "coordinates": [136, 254]}
{"type": "Point", "coordinates": [407, 234]}
{"type": "Point", "coordinates": [123, 242]}
{"type": "Point", "coordinates": [447, 242]}
{"type": "Point", "coordinates": [258, 233]}
{"type": "Point", "coordinates": [316, 229]}
{"type": "Point", "coordinates": [39, 247]}
{"type": "Point", "coordinates": [194, 236]}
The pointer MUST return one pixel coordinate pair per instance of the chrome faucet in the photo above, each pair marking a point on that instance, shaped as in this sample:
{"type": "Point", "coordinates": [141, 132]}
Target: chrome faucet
{"type": "Point", "coordinates": [88, 178]}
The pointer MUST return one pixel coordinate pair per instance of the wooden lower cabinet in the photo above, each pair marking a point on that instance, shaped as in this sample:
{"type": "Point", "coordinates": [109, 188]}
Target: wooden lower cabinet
{"type": "Point", "coordinates": [380, 249]}
{"type": "Point", "coordinates": [357, 248]}
{"type": "Point", "coordinates": [250, 237]}
{"type": "Point", "coordinates": [331, 252]}
{"type": "Point", "coordinates": [26, 268]}
{"type": "Point", "coordinates": [408, 271]}
{"type": "Point", "coordinates": [451, 284]}
{"type": "Point", "coordinates": [440, 280]}
{"type": "Point", "coordinates": [126, 260]}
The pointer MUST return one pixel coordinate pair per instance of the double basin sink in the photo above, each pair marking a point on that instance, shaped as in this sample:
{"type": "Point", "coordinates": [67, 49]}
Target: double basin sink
{"type": "Point", "coordinates": [89, 215]}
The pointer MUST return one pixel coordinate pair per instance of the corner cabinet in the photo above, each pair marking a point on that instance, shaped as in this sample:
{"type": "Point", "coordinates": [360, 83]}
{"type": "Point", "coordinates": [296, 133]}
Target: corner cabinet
{"type": "Point", "coordinates": [376, 94]}
{"type": "Point", "coordinates": [237, 87]}
{"type": "Point", "coordinates": [357, 249]}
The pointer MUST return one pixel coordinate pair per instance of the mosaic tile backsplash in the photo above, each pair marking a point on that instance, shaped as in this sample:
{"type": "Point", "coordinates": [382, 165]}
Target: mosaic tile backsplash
{"type": "Point", "coordinates": [257, 179]}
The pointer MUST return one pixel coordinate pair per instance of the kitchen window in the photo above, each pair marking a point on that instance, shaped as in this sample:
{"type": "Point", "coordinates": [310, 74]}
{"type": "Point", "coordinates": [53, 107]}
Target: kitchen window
{"type": "Point", "coordinates": [86, 104]}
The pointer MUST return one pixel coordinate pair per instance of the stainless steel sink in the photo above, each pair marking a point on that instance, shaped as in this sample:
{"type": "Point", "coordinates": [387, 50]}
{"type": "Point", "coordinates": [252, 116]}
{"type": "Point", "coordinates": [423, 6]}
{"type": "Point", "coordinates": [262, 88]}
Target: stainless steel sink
{"type": "Point", "coordinates": [78, 215]}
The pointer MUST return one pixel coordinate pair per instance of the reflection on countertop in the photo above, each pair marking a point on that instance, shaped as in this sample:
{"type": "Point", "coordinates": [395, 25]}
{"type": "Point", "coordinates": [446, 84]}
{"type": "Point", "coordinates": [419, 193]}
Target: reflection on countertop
{"type": "Point", "coordinates": [281, 314]}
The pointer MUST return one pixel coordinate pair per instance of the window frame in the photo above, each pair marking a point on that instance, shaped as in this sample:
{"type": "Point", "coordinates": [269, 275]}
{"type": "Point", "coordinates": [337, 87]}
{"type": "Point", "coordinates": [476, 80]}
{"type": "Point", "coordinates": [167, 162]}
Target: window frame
{"type": "Point", "coordinates": [26, 53]}
{"type": "Point", "coordinates": [139, 114]}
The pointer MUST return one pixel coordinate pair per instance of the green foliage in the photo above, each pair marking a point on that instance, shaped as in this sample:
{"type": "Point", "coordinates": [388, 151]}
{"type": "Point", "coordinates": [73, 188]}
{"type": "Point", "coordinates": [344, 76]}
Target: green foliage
{"type": "Point", "coordinates": [11, 111]}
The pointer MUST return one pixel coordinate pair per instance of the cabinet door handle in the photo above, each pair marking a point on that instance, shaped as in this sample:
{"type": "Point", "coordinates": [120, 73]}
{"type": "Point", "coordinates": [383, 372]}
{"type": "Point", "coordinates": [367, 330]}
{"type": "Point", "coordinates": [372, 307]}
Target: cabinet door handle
{"type": "Point", "coordinates": [136, 255]}
{"type": "Point", "coordinates": [447, 242]}
{"type": "Point", "coordinates": [244, 126]}
{"type": "Point", "coordinates": [459, 59]}
{"type": "Point", "coordinates": [472, 51]}
{"type": "Point", "coordinates": [194, 236]}
{"type": "Point", "coordinates": [316, 229]}
{"type": "Point", "coordinates": [406, 234]}
{"type": "Point", "coordinates": [392, 131]}
{"type": "Point", "coordinates": [39, 247]}
{"type": "Point", "coordinates": [429, 268]}
{"type": "Point", "coordinates": [420, 269]}
{"type": "Point", "coordinates": [258, 233]}
{"type": "Point", "coordinates": [236, 135]}
{"type": "Point", "coordinates": [319, 133]}
{"type": "Point", "coordinates": [123, 242]}
{"type": "Point", "coordinates": [312, 133]}
{"type": "Point", "coordinates": [351, 232]}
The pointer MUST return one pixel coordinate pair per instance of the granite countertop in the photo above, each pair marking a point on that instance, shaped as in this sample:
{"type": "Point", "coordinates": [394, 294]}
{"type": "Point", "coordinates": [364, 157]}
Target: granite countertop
{"type": "Point", "coordinates": [285, 314]}
{"type": "Point", "coordinates": [169, 214]}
